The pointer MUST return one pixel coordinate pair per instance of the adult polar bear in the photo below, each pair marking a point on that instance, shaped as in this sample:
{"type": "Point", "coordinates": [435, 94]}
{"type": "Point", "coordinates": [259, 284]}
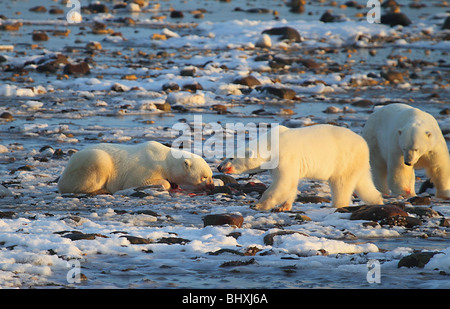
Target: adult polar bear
{"type": "Point", "coordinates": [321, 152]}
{"type": "Point", "coordinates": [402, 138]}
{"type": "Point", "coordinates": [107, 168]}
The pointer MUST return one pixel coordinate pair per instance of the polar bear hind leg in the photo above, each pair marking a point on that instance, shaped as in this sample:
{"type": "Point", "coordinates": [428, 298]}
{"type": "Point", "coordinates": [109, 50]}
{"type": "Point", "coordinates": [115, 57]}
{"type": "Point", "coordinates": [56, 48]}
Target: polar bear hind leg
{"type": "Point", "coordinates": [88, 171]}
{"type": "Point", "coordinates": [367, 191]}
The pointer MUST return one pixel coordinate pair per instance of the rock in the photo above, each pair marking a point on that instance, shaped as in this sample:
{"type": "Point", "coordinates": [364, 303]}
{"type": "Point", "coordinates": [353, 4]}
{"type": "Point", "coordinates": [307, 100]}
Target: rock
{"type": "Point", "coordinates": [7, 214]}
{"type": "Point", "coordinates": [6, 116]}
{"type": "Point", "coordinates": [312, 199]}
{"type": "Point", "coordinates": [53, 65]}
{"type": "Point", "coordinates": [222, 219]}
{"type": "Point", "coordinates": [420, 200]}
{"type": "Point", "coordinates": [268, 239]}
{"type": "Point", "coordinates": [327, 17]}
{"type": "Point", "coordinates": [39, 36]}
{"type": "Point", "coordinates": [134, 240]}
{"type": "Point", "coordinates": [97, 8]}
{"type": "Point", "coordinates": [297, 6]}
{"type": "Point", "coordinates": [220, 189]}
{"type": "Point", "coordinates": [81, 68]}
{"type": "Point", "coordinates": [165, 107]}
{"type": "Point", "coordinates": [393, 77]}
{"type": "Point", "coordinates": [363, 103]}
{"type": "Point", "coordinates": [406, 221]}
{"type": "Point", "coordinates": [377, 212]}
{"type": "Point", "coordinates": [173, 240]}
{"type": "Point", "coordinates": [188, 71]}
{"type": "Point", "coordinates": [227, 179]}
{"type": "Point", "coordinates": [248, 81]}
{"type": "Point", "coordinates": [281, 92]}
{"type": "Point", "coordinates": [81, 236]}
{"type": "Point", "coordinates": [446, 24]}
{"type": "Point", "coordinates": [38, 9]}
{"type": "Point", "coordinates": [394, 19]}
{"type": "Point", "coordinates": [419, 259]}
{"type": "Point", "coordinates": [176, 14]}
{"type": "Point", "coordinates": [285, 33]}
{"type": "Point", "coordinates": [170, 86]}
{"type": "Point", "coordinates": [93, 45]}
{"type": "Point", "coordinates": [254, 187]}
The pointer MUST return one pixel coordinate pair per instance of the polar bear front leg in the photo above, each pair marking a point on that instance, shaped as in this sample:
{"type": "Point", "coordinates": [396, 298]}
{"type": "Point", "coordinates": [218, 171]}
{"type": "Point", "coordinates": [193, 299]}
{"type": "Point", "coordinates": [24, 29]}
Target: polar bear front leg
{"type": "Point", "coordinates": [283, 190]}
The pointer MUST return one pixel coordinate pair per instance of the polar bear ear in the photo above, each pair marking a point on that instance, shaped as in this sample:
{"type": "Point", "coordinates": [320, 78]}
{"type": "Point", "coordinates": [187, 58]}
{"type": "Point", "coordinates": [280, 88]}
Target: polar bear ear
{"type": "Point", "coordinates": [187, 163]}
{"type": "Point", "coordinates": [428, 133]}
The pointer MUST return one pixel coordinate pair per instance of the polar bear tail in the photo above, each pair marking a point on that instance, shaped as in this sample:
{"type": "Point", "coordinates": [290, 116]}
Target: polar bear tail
{"type": "Point", "coordinates": [366, 190]}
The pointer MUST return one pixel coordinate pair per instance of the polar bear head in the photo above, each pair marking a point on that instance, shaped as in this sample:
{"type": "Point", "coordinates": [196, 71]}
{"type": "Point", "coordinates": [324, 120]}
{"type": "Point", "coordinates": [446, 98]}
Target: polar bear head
{"type": "Point", "coordinates": [193, 171]}
{"type": "Point", "coordinates": [415, 140]}
{"type": "Point", "coordinates": [250, 163]}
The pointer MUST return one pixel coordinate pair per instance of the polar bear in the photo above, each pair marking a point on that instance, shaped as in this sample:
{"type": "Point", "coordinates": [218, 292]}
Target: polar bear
{"type": "Point", "coordinates": [402, 138]}
{"type": "Point", "coordinates": [107, 168]}
{"type": "Point", "coordinates": [320, 152]}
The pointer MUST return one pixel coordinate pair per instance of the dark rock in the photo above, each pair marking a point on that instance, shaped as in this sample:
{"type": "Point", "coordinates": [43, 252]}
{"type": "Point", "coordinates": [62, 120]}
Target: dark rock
{"type": "Point", "coordinates": [268, 239]}
{"type": "Point", "coordinates": [134, 240]}
{"type": "Point", "coordinates": [254, 187]}
{"type": "Point", "coordinates": [227, 179]}
{"type": "Point", "coordinates": [281, 92]}
{"type": "Point", "coordinates": [7, 214]}
{"type": "Point", "coordinates": [173, 240]}
{"type": "Point", "coordinates": [81, 236]}
{"type": "Point", "coordinates": [6, 116]}
{"type": "Point", "coordinates": [419, 259]}
{"type": "Point", "coordinates": [393, 77]}
{"type": "Point", "coordinates": [446, 24]}
{"type": "Point", "coordinates": [327, 17]}
{"type": "Point", "coordinates": [377, 212]}
{"type": "Point", "coordinates": [285, 33]}
{"type": "Point", "coordinates": [188, 71]}
{"type": "Point", "coordinates": [248, 81]}
{"type": "Point", "coordinates": [312, 199]}
{"type": "Point", "coordinates": [97, 8]}
{"type": "Point", "coordinates": [176, 14]}
{"type": "Point", "coordinates": [422, 211]}
{"type": "Point", "coordinates": [170, 86]}
{"type": "Point", "coordinates": [297, 6]}
{"type": "Point", "coordinates": [226, 250]}
{"type": "Point", "coordinates": [220, 189]}
{"type": "Point", "coordinates": [38, 9]}
{"type": "Point", "coordinates": [222, 219]}
{"type": "Point", "coordinates": [420, 200]}
{"type": "Point", "coordinates": [259, 10]}
{"type": "Point", "coordinates": [394, 19]}
{"type": "Point", "coordinates": [52, 65]}
{"type": "Point", "coordinates": [406, 221]}
{"type": "Point", "coordinates": [238, 263]}
{"type": "Point", "coordinates": [39, 36]}
{"type": "Point", "coordinates": [193, 87]}
{"type": "Point", "coordinates": [427, 184]}
{"type": "Point", "coordinates": [363, 103]}
{"type": "Point", "coordinates": [81, 68]}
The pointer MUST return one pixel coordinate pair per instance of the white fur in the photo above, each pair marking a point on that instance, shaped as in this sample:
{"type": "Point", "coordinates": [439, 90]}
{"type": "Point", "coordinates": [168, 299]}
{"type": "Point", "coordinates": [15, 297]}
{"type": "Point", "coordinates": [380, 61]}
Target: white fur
{"type": "Point", "coordinates": [321, 152]}
{"type": "Point", "coordinates": [402, 138]}
{"type": "Point", "coordinates": [107, 168]}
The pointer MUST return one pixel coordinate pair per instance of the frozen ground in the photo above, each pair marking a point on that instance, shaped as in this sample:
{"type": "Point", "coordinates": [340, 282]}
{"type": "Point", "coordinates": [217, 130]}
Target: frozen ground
{"type": "Point", "coordinates": [118, 102]}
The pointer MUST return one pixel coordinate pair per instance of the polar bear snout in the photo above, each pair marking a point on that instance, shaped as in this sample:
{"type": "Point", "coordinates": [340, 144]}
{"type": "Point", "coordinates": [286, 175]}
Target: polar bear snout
{"type": "Point", "coordinates": [410, 157]}
{"type": "Point", "coordinates": [226, 167]}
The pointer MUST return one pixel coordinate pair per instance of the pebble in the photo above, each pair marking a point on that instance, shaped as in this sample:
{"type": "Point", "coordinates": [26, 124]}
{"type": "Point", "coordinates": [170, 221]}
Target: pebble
{"type": "Point", "coordinates": [285, 33]}
{"type": "Point", "coordinates": [81, 68]}
{"type": "Point", "coordinates": [281, 92]}
{"type": "Point", "coordinates": [39, 36]}
{"type": "Point", "coordinates": [377, 212]}
{"type": "Point", "coordinates": [222, 219]}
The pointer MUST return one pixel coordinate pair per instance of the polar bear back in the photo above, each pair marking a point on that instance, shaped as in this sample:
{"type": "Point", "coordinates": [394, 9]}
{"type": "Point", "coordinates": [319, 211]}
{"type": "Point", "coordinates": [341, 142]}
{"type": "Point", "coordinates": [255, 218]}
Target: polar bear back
{"type": "Point", "coordinates": [324, 150]}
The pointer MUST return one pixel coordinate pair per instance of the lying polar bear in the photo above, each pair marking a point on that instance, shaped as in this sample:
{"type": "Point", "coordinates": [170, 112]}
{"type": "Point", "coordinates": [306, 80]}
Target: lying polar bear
{"type": "Point", "coordinates": [107, 168]}
{"type": "Point", "coordinates": [321, 152]}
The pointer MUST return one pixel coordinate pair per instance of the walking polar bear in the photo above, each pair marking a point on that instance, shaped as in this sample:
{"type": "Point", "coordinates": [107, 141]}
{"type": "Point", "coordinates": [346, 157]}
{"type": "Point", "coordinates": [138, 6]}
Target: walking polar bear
{"type": "Point", "coordinates": [321, 152]}
{"type": "Point", "coordinates": [402, 138]}
{"type": "Point", "coordinates": [107, 168]}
